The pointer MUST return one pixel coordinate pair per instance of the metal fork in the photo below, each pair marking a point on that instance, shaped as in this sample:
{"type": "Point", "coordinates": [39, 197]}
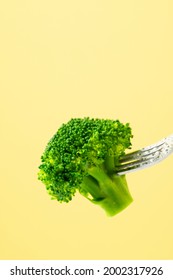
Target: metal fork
{"type": "Point", "coordinates": [145, 157]}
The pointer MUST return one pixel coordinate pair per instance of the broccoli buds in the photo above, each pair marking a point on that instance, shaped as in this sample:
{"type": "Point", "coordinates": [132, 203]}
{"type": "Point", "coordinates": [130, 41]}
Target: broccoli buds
{"type": "Point", "coordinates": [82, 156]}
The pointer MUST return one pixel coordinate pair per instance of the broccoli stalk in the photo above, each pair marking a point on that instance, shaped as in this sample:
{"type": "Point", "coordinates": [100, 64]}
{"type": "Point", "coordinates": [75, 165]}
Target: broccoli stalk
{"type": "Point", "coordinates": [106, 190]}
{"type": "Point", "coordinates": [83, 156]}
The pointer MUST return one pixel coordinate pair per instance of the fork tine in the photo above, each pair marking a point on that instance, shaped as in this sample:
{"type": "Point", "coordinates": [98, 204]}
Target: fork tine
{"type": "Point", "coordinates": [135, 163]}
{"type": "Point", "coordinates": [143, 152]}
{"type": "Point", "coordinates": [146, 157]}
{"type": "Point", "coordinates": [124, 170]}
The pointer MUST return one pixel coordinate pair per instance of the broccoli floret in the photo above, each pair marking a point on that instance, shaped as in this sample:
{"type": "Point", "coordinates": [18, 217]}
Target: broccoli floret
{"type": "Point", "coordinates": [82, 156]}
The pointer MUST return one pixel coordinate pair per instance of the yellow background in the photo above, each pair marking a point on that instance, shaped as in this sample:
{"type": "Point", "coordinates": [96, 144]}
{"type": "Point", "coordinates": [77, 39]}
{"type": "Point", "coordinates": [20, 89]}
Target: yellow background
{"type": "Point", "coordinates": [63, 59]}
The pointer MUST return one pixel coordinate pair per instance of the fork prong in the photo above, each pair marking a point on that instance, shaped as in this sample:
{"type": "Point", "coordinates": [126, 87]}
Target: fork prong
{"type": "Point", "coordinates": [144, 162]}
{"type": "Point", "coordinates": [134, 163]}
{"type": "Point", "coordinates": [143, 152]}
{"type": "Point", "coordinates": [145, 157]}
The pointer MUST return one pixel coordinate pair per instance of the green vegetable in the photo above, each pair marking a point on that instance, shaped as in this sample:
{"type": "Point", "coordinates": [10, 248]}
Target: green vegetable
{"type": "Point", "coordinates": [82, 156]}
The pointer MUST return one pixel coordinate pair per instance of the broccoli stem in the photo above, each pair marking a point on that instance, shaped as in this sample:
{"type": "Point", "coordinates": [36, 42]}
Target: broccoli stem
{"type": "Point", "coordinates": [107, 190]}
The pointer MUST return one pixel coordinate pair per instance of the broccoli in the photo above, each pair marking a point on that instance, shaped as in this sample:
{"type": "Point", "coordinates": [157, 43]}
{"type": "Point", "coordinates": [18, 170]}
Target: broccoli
{"type": "Point", "coordinates": [82, 156]}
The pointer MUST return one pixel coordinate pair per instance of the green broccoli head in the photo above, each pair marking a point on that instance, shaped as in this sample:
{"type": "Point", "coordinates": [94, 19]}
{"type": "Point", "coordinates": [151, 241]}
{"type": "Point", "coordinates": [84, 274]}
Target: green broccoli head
{"type": "Point", "coordinates": [82, 156]}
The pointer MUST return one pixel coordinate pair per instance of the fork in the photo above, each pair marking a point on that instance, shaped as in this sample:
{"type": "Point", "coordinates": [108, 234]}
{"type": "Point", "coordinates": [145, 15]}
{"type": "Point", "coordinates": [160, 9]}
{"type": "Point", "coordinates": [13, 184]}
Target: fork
{"type": "Point", "coordinates": [145, 157]}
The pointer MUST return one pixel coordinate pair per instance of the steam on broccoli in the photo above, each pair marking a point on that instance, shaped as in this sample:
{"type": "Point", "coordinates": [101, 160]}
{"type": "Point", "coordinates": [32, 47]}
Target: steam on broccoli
{"type": "Point", "coordinates": [82, 156]}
